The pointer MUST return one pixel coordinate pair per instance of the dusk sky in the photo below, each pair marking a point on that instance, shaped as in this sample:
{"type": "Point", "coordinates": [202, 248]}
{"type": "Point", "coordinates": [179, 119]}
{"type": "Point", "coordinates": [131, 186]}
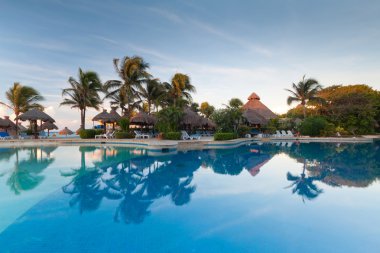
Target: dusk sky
{"type": "Point", "coordinates": [228, 48]}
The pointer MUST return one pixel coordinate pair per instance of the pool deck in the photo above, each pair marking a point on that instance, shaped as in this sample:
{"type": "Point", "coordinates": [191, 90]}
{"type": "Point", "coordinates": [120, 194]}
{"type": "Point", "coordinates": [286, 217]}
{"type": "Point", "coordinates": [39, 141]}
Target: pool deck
{"type": "Point", "coordinates": [169, 145]}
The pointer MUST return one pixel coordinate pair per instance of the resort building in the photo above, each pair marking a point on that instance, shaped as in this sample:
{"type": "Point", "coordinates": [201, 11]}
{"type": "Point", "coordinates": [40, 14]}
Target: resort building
{"type": "Point", "coordinates": [256, 113]}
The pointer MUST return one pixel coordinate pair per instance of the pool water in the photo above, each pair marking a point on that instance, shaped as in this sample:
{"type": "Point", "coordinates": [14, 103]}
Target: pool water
{"type": "Point", "coordinates": [283, 197]}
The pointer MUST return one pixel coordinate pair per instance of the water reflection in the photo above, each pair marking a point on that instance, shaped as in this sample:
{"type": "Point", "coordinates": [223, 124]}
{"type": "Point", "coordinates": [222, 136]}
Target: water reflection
{"type": "Point", "coordinates": [26, 173]}
{"type": "Point", "coordinates": [135, 180]}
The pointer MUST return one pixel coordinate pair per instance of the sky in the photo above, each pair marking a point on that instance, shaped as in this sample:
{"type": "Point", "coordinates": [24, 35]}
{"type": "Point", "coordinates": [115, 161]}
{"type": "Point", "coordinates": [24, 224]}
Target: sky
{"type": "Point", "coordinates": [228, 48]}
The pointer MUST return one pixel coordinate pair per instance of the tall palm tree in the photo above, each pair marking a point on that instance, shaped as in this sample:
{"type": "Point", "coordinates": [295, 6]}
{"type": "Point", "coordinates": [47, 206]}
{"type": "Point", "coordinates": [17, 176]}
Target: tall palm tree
{"type": "Point", "coordinates": [306, 90]}
{"type": "Point", "coordinates": [151, 93]}
{"type": "Point", "coordinates": [83, 93]}
{"type": "Point", "coordinates": [179, 88]}
{"type": "Point", "coordinates": [21, 99]}
{"type": "Point", "coordinates": [133, 73]}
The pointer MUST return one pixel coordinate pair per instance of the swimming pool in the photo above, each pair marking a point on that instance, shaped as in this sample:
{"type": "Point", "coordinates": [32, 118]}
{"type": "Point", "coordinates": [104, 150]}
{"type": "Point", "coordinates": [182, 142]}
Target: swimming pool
{"type": "Point", "coordinates": [283, 197]}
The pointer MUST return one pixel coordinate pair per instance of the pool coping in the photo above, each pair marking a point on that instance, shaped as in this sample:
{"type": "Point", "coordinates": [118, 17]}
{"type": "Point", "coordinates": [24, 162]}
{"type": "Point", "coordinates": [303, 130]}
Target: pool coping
{"type": "Point", "coordinates": [170, 145]}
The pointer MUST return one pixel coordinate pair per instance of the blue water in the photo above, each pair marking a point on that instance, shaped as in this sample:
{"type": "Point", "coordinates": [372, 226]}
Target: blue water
{"type": "Point", "coordinates": [255, 198]}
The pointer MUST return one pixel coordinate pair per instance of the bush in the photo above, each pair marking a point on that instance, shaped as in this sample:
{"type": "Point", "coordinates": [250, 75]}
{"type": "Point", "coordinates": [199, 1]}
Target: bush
{"type": "Point", "coordinates": [224, 136]}
{"type": "Point", "coordinates": [88, 133]}
{"type": "Point", "coordinates": [124, 124]}
{"type": "Point", "coordinates": [317, 126]}
{"type": "Point", "coordinates": [243, 130]}
{"type": "Point", "coordinates": [124, 135]}
{"type": "Point", "coordinates": [172, 136]}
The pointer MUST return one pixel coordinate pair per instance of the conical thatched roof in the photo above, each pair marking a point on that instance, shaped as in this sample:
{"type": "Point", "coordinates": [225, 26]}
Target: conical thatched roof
{"type": "Point", "coordinates": [48, 126]}
{"type": "Point", "coordinates": [114, 114]}
{"type": "Point", "coordinates": [191, 118]}
{"type": "Point", "coordinates": [105, 117]}
{"type": "Point", "coordinates": [255, 104]}
{"type": "Point", "coordinates": [254, 117]}
{"type": "Point", "coordinates": [143, 118]}
{"type": "Point", "coordinates": [34, 115]}
{"type": "Point", "coordinates": [207, 122]}
{"type": "Point", "coordinates": [66, 131]}
{"type": "Point", "coordinates": [10, 122]}
{"type": "Point", "coordinates": [4, 123]}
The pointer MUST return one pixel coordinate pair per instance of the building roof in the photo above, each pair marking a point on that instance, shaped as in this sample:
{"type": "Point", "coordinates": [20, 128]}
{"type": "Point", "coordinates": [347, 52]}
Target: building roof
{"type": "Point", "coordinates": [256, 105]}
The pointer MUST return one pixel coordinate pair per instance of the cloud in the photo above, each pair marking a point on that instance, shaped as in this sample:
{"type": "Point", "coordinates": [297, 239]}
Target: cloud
{"type": "Point", "coordinates": [208, 28]}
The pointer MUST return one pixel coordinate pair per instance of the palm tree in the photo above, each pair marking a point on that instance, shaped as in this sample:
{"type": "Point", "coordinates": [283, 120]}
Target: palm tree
{"type": "Point", "coordinates": [235, 103]}
{"type": "Point", "coordinates": [21, 99]}
{"type": "Point", "coordinates": [83, 94]}
{"type": "Point", "coordinates": [306, 90]}
{"type": "Point", "coordinates": [151, 93]}
{"type": "Point", "coordinates": [305, 186]}
{"type": "Point", "coordinates": [133, 73]}
{"type": "Point", "coordinates": [179, 88]}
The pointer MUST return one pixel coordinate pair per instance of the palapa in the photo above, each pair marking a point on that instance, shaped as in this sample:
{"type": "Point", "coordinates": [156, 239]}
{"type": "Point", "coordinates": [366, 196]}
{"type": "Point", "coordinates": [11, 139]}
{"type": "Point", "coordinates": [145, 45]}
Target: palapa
{"type": "Point", "coordinates": [142, 118]}
{"type": "Point", "coordinates": [66, 131]}
{"type": "Point", "coordinates": [34, 115]}
{"type": "Point", "coordinates": [191, 118]}
{"type": "Point", "coordinates": [255, 104]}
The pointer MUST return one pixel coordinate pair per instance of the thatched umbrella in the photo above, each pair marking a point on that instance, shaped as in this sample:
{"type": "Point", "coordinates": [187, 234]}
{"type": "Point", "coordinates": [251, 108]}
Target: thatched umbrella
{"type": "Point", "coordinates": [33, 116]}
{"type": "Point", "coordinates": [48, 126]}
{"type": "Point", "coordinates": [191, 118]}
{"type": "Point", "coordinates": [143, 119]}
{"type": "Point", "coordinates": [65, 131]}
{"type": "Point", "coordinates": [114, 114]}
{"type": "Point", "coordinates": [253, 117]}
{"type": "Point", "coordinates": [106, 117]}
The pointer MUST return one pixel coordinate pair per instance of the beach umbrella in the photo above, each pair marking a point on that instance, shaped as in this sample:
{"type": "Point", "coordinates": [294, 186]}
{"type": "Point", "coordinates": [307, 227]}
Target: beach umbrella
{"type": "Point", "coordinates": [48, 126]}
{"type": "Point", "coordinates": [142, 118]}
{"type": "Point", "coordinates": [33, 116]}
{"type": "Point", "coordinates": [66, 131]}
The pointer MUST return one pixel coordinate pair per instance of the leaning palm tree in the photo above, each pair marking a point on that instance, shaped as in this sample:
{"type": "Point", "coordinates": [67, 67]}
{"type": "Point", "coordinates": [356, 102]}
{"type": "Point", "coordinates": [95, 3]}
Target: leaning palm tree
{"type": "Point", "coordinates": [179, 89]}
{"type": "Point", "coordinates": [151, 93]}
{"type": "Point", "coordinates": [133, 73]}
{"type": "Point", "coordinates": [306, 90]}
{"type": "Point", "coordinates": [21, 99]}
{"type": "Point", "coordinates": [83, 93]}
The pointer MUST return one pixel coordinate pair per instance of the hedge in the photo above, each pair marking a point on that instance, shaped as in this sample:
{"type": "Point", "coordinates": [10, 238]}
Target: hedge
{"type": "Point", "coordinates": [224, 136]}
{"type": "Point", "coordinates": [124, 135]}
{"type": "Point", "coordinates": [87, 133]}
{"type": "Point", "coordinates": [172, 136]}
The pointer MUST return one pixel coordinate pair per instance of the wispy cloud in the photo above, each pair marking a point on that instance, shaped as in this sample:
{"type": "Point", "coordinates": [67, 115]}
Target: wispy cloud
{"type": "Point", "coordinates": [210, 29]}
{"type": "Point", "coordinates": [45, 44]}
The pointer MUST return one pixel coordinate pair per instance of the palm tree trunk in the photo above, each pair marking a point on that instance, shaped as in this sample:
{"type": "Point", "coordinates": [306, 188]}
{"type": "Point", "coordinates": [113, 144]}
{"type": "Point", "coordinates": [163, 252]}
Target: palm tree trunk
{"type": "Point", "coordinates": [16, 125]}
{"type": "Point", "coordinates": [82, 118]}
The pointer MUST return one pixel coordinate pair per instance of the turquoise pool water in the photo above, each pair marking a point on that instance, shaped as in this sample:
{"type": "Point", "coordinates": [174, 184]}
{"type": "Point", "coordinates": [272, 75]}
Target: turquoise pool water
{"type": "Point", "coordinates": [284, 197]}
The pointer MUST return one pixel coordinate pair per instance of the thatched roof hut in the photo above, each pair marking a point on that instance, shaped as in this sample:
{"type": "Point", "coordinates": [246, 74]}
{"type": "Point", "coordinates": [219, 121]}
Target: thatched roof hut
{"type": "Point", "coordinates": [255, 104]}
{"type": "Point", "coordinates": [114, 114]}
{"type": "Point", "coordinates": [208, 123]}
{"type": "Point", "coordinates": [4, 123]}
{"type": "Point", "coordinates": [253, 117]}
{"type": "Point", "coordinates": [105, 117]}
{"type": "Point", "coordinates": [34, 115]}
{"type": "Point", "coordinates": [191, 118]}
{"type": "Point", "coordinates": [142, 118]}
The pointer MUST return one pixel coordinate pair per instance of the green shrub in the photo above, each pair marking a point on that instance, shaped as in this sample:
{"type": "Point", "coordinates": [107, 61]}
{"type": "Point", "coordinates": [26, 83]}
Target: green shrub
{"type": "Point", "coordinates": [224, 136]}
{"type": "Point", "coordinates": [243, 130]}
{"type": "Point", "coordinates": [124, 124]}
{"type": "Point", "coordinates": [88, 133]}
{"type": "Point", "coordinates": [172, 135]}
{"type": "Point", "coordinates": [124, 135]}
{"type": "Point", "coordinates": [317, 126]}
{"type": "Point", "coordinates": [99, 131]}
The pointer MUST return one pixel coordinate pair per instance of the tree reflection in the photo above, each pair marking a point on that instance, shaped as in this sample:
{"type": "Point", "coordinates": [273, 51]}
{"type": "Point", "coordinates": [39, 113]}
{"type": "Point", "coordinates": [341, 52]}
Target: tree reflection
{"type": "Point", "coordinates": [26, 173]}
{"type": "Point", "coordinates": [304, 186]}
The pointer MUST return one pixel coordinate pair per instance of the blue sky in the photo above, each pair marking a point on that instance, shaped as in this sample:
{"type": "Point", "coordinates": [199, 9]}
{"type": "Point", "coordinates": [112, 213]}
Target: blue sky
{"type": "Point", "coordinates": [229, 48]}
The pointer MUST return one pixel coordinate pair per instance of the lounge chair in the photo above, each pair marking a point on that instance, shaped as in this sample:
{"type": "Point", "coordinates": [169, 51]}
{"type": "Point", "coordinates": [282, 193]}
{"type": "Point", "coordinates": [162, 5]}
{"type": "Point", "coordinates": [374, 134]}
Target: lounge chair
{"type": "Point", "coordinates": [42, 135]}
{"type": "Point", "coordinates": [289, 133]}
{"type": "Point", "coordinates": [23, 136]}
{"type": "Point", "coordinates": [139, 135]}
{"type": "Point", "coordinates": [186, 136]}
{"type": "Point", "coordinates": [5, 136]}
{"type": "Point", "coordinates": [283, 133]}
{"type": "Point", "coordinates": [278, 134]}
{"type": "Point", "coordinates": [107, 135]}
